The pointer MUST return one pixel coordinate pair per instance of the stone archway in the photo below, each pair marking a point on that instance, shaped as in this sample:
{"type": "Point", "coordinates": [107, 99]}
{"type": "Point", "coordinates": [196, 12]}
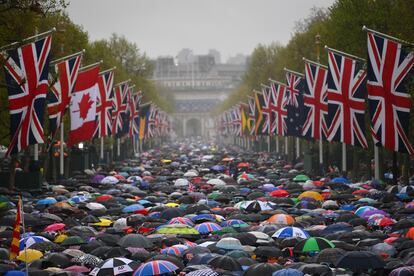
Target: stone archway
{"type": "Point", "coordinates": [193, 127]}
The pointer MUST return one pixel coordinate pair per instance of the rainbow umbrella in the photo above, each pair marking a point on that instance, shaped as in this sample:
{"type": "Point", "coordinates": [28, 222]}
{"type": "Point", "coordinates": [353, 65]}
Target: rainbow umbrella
{"type": "Point", "coordinates": [157, 267]}
{"type": "Point", "coordinates": [207, 227]}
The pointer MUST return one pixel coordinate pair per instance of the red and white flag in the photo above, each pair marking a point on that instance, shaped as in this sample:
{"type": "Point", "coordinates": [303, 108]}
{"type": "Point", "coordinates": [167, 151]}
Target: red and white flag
{"type": "Point", "coordinates": [83, 106]}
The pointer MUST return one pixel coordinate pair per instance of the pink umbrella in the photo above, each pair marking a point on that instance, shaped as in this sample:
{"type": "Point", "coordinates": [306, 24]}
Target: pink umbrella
{"type": "Point", "coordinates": [77, 269]}
{"type": "Point", "coordinates": [55, 227]}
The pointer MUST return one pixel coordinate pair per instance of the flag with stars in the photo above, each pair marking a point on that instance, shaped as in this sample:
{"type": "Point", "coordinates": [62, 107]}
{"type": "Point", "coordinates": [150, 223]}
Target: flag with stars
{"type": "Point", "coordinates": [295, 83]}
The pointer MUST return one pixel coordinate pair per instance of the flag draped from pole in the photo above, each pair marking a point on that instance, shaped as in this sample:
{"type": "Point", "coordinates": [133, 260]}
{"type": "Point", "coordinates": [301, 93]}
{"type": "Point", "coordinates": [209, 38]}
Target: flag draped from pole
{"type": "Point", "coordinates": [266, 110]}
{"type": "Point", "coordinates": [252, 115]}
{"type": "Point", "coordinates": [61, 90]}
{"type": "Point", "coordinates": [27, 69]}
{"type": "Point", "coordinates": [237, 121]}
{"type": "Point", "coordinates": [346, 100]}
{"type": "Point", "coordinates": [389, 100]}
{"type": "Point", "coordinates": [315, 101]}
{"type": "Point", "coordinates": [295, 84]}
{"type": "Point", "coordinates": [133, 115]}
{"type": "Point", "coordinates": [119, 110]}
{"type": "Point", "coordinates": [144, 113]}
{"type": "Point", "coordinates": [278, 108]}
{"type": "Point", "coordinates": [152, 121]}
{"type": "Point", "coordinates": [244, 119]}
{"type": "Point", "coordinates": [83, 106]}
{"type": "Point", "coordinates": [258, 99]}
{"type": "Point", "coordinates": [15, 244]}
{"type": "Point", "coordinates": [104, 104]}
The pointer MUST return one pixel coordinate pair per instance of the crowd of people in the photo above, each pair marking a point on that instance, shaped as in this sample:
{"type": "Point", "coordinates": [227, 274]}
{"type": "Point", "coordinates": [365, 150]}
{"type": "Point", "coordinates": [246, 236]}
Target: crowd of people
{"type": "Point", "coordinates": [197, 208]}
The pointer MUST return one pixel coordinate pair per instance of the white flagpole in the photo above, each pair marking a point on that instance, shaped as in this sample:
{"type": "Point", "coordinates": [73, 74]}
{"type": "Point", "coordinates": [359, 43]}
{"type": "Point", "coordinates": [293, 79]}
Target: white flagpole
{"type": "Point", "coordinates": [118, 147]}
{"type": "Point", "coordinates": [61, 153]}
{"type": "Point", "coordinates": [376, 162]}
{"type": "Point", "coordinates": [36, 152]}
{"type": "Point", "coordinates": [24, 233]}
{"type": "Point", "coordinates": [268, 143]}
{"type": "Point", "coordinates": [297, 147]}
{"type": "Point", "coordinates": [344, 158]}
{"type": "Point", "coordinates": [102, 149]}
{"type": "Point", "coordinates": [286, 146]}
{"type": "Point", "coordinates": [277, 144]}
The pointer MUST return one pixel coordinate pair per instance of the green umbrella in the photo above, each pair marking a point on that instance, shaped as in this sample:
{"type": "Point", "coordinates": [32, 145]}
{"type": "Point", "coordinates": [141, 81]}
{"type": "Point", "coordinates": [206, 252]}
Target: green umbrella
{"type": "Point", "coordinates": [301, 178]}
{"type": "Point", "coordinates": [225, 230]}
{"type": "Point", "coordinates": [314, 244]}
{"type": "Point", "coordinates": [214, 195]}
{"type": "Point", "coordinates": [177, 229]}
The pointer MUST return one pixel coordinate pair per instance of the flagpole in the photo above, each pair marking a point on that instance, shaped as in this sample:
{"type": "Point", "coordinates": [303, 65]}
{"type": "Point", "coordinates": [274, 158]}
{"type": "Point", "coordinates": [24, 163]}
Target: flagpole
{"type": "Point", "coordinates": [16, 43]}
{"type": "Point", "coordinates": [61, 153]}
{"type": "Point", "coordinates": [102, 149]}
{"type": "Point", "coordinates": [297, 148]}
{"type": "Point", "coordinates": [24, 233]}
{"type": "Point", "coordinates": [268, 143]}
{"type": "Point", "coordinates": [317, 44]}
{"type": "Point", "coordinates": [364, 28]}
{"type": "Point", "coordinates": [376, 162]}
{"type": "Point", "coordinates": [286, 146]}
{"type": "Point", "coordinates": [118, 147]}
{"type": "Point", "coordinates": [53, 62]}
{"type": "Point", "coordinates": [344, 169]}
{"type": "Point", "coordinates": [277, 144]}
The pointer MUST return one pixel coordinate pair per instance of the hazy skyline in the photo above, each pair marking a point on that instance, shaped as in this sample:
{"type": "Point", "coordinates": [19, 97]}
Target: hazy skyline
{"type": "Point", "coordinates": [164, 27]}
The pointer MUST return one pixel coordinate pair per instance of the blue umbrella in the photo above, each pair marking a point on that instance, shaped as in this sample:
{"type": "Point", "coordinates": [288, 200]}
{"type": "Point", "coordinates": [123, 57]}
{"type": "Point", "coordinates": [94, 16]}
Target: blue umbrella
{"type": "Point", "coordinates": [15, 273]}
{"type": "Point", "coordinates": [29, 241]}
{"type": "Point", "coordinates": [46, 201]}
{"type": "Point", "coordinates": [207, 227]}
{"type": "Point", "coordinates": [78, 198]}
{"type": "Point", "coordinates": [218, 168]}
{"type": "Point", "coordinates": [132, 208]}
{"type": "Point", "coordinates": [340, 180]}
{"type": "Point", "coordinates": [288, 272]}
{"type": "Point", "coordinates": [289, 232]}
{"type": "Point", "coordinates": [203, 258]}
{"type": "Point", "coordinates": [157, 267]}
{"type": "Point", "coordinates": [203, 217]}
{"type": "Point", "coordinates": [347, 207]}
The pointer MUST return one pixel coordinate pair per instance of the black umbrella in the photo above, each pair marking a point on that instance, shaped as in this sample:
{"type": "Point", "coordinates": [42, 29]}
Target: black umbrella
{"type": "Point", "coordinates": [315, 269]}
{"type": "Point", "coordinates": [57, 260]}
{"type": "Point", "coordinates": [226, 263]}
{"type": "Point", "coordinates": [329, 255]}
{"type": "Point", "coordinates": [171, 213]}
{"type": "Point", "coordinates": [175, 260]}
{"type": "Point", "coordinates": [360, 260]}
{"type": "Point", "coordinates": [268, 251]}
{"type": "Point", "coordinates": [135, 240]}
{"type": "Point", "coordinates": [262, 269]}
{"type": "Point", "coordinates": [244, 238]}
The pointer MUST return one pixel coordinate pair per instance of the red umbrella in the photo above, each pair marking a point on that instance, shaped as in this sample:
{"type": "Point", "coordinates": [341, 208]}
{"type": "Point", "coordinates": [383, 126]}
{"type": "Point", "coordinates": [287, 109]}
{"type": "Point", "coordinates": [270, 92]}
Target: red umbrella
{"type": "Point", "coordinates": [55, 227]}
{"type": "Point", "coordinates": [119, 177]}
{"type": "Point", "coordinates": [360, 192]}
{"type": "Point", "coordinates": [77, 269]}
{"type": "Point", "coordinates": [243, 165]}
{"type": "Point", "coordinates": [279, 193]}
{"type": "Point", "coordinates": [103, 198]}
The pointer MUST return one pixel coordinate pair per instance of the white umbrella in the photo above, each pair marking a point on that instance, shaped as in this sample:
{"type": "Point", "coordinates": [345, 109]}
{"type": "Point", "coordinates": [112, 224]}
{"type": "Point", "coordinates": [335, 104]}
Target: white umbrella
{"type": "Point", "coordinates": [216, 182]}
{"type": "Point", "coordinates": [95, 206]}
{"type": "Point", "coordinates": [181, 182]}
{"type": "Point", "coordinates": [110, 180]}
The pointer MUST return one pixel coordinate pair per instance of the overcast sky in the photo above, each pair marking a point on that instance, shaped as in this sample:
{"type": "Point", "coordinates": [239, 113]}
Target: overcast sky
{"type": "Point", "coordinates": [163, 27]}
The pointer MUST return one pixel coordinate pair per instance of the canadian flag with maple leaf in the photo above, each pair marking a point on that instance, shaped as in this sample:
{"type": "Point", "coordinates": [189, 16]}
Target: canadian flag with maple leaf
{"type": "Point", "coordinates": [83, 106]}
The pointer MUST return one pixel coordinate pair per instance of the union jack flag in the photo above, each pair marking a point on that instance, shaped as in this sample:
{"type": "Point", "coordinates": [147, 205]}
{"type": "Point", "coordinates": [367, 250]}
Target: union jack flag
{"type": "Point", "coordinates": [119, 110]}
{"type": "Point", "coordinates": [237, 121]}
{"type": "Point", "coordinates": [389, 63]}
{"type": "Point", "coordinates": [133, 115]}
{"type": "Point", "coordinates": [278, 108]}
{"type": "Point", "coordinates": [252, 115]}
{"type": "Point", "coordinates": [259, 101]}
{"type": "Point", "coordinates": [267, 110]}
{"type": "Point", "coordinates": [104, 104]}
{"type": "Point", "coordinates": [61, 90]}
{"type": "Point", "coordinates": [295, 83]}
{"type": "Point", "coordinates": [152, 121]}
{"type": "Point", "coordinates": [27, 69]}
{"type": "Point", "coordinates": [346, 100]}
{"type": "Point", "coordinates": [315, 101]}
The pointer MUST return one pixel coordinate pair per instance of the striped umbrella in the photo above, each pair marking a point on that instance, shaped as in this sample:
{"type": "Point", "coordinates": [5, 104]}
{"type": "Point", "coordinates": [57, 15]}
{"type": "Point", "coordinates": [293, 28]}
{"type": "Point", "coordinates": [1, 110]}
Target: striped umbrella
{"type": "Point", "coordinates": [289, 232]}
{"type": "Point", "coordinates": [29, 241]}
{"type": "Point", "coordinates": [114, 266]}
{"type": "Point", "coordinates": [313, 245]}
{"type": "Point", "coordinates": [207, 227]}
{"type": "Point", "coordinates": [281, 219]}
{"type": "Point", "coordinates": [157, 267]}
{"type": "Point", "coordinates": [177, 250]}
{"type": "Point", "coordinates": [181, 220]}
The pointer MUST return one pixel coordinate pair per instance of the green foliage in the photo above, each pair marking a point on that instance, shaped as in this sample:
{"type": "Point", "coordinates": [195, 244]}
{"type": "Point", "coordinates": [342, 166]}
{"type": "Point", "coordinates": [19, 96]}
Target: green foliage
{"type": "Point", "coordinates": [23, 18]}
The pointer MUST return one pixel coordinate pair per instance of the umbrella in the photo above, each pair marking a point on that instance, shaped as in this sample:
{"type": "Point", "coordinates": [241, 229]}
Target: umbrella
{"type": "Point", "coordinates": [311, 194]}
{"type": "Point", "coordinates": [55, 227]}
{"type": "Point", "coordinates": [29, 255]}
{"type": "Point", "coordinates": [226, 263]}
{"type": "Point", "coordinates": [202, 258]}
{"type": "Point", "coordinates": [87, 259]}
{"type": "Point", "coordinates": [203, 272]}
{"type": "Point", "coordinates": [207, 227]}
{"type": "Point", "coordinates": [156, 267]}
{"type": "Point", "coordinates": [177, 250]}
{"type": "Point", "coordinates": [46, 201]}
{"type": "Point", "coordinates": [401, 271]}
{"type": "Point", "coordinates": [314, 244]}
{"type": "Point", "coordinates": [114, 266]}
{"type": "Point", "coordinates": [288, 272]}
{"type": "Point", "coordinates": [173, 229]}
{"type": "Point", "coordinates": [301, 178]}
{"type": "Point", "coordinates": [261, 269]}
{"type": "Point", "coordinates": [135, 240]}
{"type": "Point", "coordinates": [132, 208]}
{"type": "Point", "coordinates": [29, 241]}
{"type": "Point", "coordinates": [181, 220]}
{"type": "Point", "coordinates": [229, 243]}
{"type": "Point", "coordinates": [315, 269]}
{"type": "Point", "coordinates": [360, 260]}
{"type": "Point", "coordinates": [281, 219]}
{"type": "Point", "coordinates": [330, 255]}
{"type": "Point", "coordinates": [288, 232]}
{"type": "Point", "coordinates": [77, 269]}
{"type": "Point", "coordinates": [267, 251]}
{"type": "Point", "coordinates": [57, 260]}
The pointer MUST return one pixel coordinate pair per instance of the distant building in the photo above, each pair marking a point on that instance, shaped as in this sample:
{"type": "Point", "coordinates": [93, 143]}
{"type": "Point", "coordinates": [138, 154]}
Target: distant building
{"type": "Point", "coordinates": [238, 59]}
{"type": "Point", "coordinates": [198, 87]}
{"type": "Point", "coordinates": [216, 54]}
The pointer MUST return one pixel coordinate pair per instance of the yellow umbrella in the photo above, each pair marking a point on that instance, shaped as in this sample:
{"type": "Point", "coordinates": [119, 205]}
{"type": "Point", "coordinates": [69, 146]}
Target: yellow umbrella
{"type": "Point", "coordinates": [311, 194]}
{"type": "Point", "coordinates": [172, 205]}
{"type": "Point", "coordinates": [103, 222]}
{"type": "Point", "coordinates": [60, 238]}
{"type": "Point", "coordinates": [29, 255]}
{"type": "Point", "coordinates": [166, 161]}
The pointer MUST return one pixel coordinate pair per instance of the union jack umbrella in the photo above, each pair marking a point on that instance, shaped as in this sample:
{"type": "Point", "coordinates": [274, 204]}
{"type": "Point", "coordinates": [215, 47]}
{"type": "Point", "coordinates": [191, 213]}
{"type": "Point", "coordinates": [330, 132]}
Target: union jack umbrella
{"type": "Point", "coordinates": [114, 266]}
{"type": "Point", "coordinates": [119, 108]}
{"type": "Point", "coordinates": [27, 69]}
{"type": "Point", "coordinates": [346, 99]}
{"type": "Point", "coordinates": [61, 89]}
{"type": "Point", "coordinates": [252, 115]}
{"type": "Point", "coordinates": [157, 267]}
{"type": "Point", "coordinates": [315, 101]}
{"type": "Point", "coordinates": [389, 63]}
{"type": "Point", "coordinates": [181, 220]}
{"type": "Point", "coordinates": [267, 110]}
{"type": "Point", "coordinates": [104, 104]}
{"type": "Point", "coordinates": [278, 108]}
{"type": "Point", "coordinates": [295, 84]}
{"type": "Point", "coordinates": [177, 250]}
{"type": "Point", "coordinates": [207, 227]}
